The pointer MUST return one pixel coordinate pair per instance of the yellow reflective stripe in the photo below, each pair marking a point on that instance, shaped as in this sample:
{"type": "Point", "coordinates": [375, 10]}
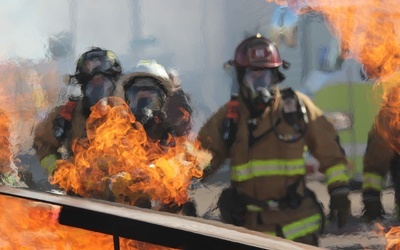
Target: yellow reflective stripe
{"type": "Point", "coordinates": [270, 233]}
{"type": "Point", "coordinates": [49, 163]}
{"type": "Point", "coordinates": [336, 173]}
{"type": "Point", "coordinates": [258, 168]}
{"type": "Point", "coordinates": [302, 227]}
{"type": "Point", "coordinates": [254, 208]}
{"type": "Point", "coordinates": [372, 181]}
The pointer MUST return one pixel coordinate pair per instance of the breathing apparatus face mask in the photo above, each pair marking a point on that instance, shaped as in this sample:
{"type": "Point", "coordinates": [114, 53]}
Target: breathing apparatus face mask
{"type": "Point", "coordinates": [96, 88]}
{"type": "Point", "coordinates": [145, 99]}
{"type": "Point", "coordinates": [259, 84]}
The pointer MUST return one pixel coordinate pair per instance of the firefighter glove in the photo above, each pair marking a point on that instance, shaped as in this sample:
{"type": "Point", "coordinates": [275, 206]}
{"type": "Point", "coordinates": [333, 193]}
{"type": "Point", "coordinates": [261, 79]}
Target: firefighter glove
{"type": "Point", "coordinates": [190, 208]}
{"type": "Point", "coordinates": [373, 208]}
{"type": "Point", "coordinates": [339, 205]}
{"type": "Point", "coordinates": [49, 163]}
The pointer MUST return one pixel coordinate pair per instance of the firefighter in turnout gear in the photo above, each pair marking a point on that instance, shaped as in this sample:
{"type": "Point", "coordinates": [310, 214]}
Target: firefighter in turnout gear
{"type": "Point", "coordinates": [97, 72]}
{"type": "Point", "coordinates": [267, 169]}
{"type": "Point", "coordinates": [381, 160]}
{"type": "Point", "coordinates": [158, 102]}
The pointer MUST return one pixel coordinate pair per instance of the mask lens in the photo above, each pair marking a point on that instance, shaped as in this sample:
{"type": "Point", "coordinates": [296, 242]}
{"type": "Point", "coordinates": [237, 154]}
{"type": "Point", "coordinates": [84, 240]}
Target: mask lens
{"type": "Point", "coordinates": [141, 99]}
{"type": "Point", "coordinates": [258, 80]}
{"type": "Point", "coordinates": [98, 87]}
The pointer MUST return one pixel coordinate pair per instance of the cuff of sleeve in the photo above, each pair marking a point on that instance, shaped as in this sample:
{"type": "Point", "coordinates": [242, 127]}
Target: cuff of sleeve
{"type": "Point", "coordinates": [49, 163]}
{"type": "Point", "coordinates": [373, 182]}
{"type": "Point", "coordinates": [337, 174]}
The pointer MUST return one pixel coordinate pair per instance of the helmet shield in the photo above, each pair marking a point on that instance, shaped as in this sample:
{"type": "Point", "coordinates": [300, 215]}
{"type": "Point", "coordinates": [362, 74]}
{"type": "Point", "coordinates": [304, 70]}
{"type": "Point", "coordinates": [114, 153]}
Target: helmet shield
{"type": "Point", "coordinates": [96, 61]}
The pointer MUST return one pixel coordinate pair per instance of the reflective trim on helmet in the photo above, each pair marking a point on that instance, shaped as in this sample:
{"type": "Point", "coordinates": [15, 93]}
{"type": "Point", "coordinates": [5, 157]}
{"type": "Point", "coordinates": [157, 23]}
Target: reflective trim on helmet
{"type": "Point", "coordinates": [336, 173]}
{"type": "Point", "coordinates": [258, 168]}
{"type": "Point", "coordinates": [373, 181]}
{"type": "Point", "coordinates": [152, 67]}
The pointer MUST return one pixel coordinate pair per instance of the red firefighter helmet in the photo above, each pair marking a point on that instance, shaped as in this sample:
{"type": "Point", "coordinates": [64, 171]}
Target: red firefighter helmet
{"type": "Point", "coordinates": [257, 52]}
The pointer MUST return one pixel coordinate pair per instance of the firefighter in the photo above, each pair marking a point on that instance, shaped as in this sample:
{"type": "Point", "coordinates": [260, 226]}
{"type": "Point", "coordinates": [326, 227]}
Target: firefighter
{"type": "Point", "coordinates": [271, 127]}
{"type": "Point", "coordinates": [97, 73]}
{"type": "Point", "coordinates": [380, 161]}
{"type": "Point", "coordinates": [159, 103]}
{"type": "Point", "coordinates": [157, 100]}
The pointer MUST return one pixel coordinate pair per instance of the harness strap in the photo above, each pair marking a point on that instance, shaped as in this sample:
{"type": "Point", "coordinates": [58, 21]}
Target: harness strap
{"type": "Point", "coordinates": [252, 126]}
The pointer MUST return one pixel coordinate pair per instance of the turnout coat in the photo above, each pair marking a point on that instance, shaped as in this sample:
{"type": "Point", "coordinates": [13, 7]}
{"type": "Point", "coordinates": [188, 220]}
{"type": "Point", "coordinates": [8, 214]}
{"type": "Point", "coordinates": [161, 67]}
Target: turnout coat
{"type": "Point", "coordinates": [266, 170]}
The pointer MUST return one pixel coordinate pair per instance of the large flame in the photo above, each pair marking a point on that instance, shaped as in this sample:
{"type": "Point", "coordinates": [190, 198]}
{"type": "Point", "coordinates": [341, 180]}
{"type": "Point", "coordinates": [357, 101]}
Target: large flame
{"type": "Point", "coordinates": [5, 144]}
{"type": "Point", "coordinates": [393, 239]}
{"type": "Point", "coordinates": [369, 32]}
{"type": "Point", "coordinates": [118, 161]}
{"type": "Point", "coordinates": [8, 170]}
{"type": "Point", "coordinates": [366, 29]}
{"type": "Point", "coordinates": [27, 224]}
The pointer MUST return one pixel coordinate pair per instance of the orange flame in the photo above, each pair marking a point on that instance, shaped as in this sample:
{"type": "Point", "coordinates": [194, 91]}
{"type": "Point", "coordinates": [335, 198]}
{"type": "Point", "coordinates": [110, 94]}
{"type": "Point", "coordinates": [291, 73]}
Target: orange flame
{"type": "Point", "coordinates": [34, 225]}
{"type": "Point", "coordinates": [368, 31]}
{"type": "Point", "coordinates": [393, 239]}
{"type": "Point", "coordinates": [5, 144]}
{"type": "Point", "coordinates": [118, 161]}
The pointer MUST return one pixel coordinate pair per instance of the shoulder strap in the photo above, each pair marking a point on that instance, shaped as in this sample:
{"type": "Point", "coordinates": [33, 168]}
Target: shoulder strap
{"type": "Point", "coordinates": [229, 125]}
{"type": "Point", "coordinates": [67, 110]}
{"type": "Point", "coordinates": [62, 123]}
{"type": "Point", "coordinates": [294, 113]}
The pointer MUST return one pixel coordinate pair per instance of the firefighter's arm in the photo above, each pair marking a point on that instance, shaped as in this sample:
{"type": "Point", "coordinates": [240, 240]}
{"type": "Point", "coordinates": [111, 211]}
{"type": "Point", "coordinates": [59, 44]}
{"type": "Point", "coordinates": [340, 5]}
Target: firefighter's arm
{"type": "Point", "coordinates": [211, 139]}
{"type": "Point", "coordinates": [324, 144]}
{"type": "Point", "coordinates": [377, 162]}
{"type": "Point", "coordinates": [377, 159]}
{"type": "Point", "coordinates": [45, 143]}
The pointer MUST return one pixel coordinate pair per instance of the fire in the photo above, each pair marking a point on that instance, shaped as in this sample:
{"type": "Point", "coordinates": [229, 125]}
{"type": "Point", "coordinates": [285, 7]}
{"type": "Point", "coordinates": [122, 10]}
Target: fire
{"type": "Point", "coordinates": [5, 144]}
{"type": "Point", "coordinates": [118, 161]}
{"type": "Point", "coordinates": [368, 31]}
{"type": "Point", "coordinates": [34, 225]}
{"type": "Point", "coordinates": [393, 239]}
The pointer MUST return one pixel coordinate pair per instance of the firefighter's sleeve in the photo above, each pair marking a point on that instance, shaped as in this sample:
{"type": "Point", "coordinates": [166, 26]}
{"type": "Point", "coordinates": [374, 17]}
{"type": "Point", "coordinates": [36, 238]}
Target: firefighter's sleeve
{"type": "Point", "coordinates": [211, 139]}
{"type": "Point", "coordinates": [323, 142]}
{"type": "Point", "coordinates": [45, 143]}
{"type": "Point", "coordinates": [377, 160]}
